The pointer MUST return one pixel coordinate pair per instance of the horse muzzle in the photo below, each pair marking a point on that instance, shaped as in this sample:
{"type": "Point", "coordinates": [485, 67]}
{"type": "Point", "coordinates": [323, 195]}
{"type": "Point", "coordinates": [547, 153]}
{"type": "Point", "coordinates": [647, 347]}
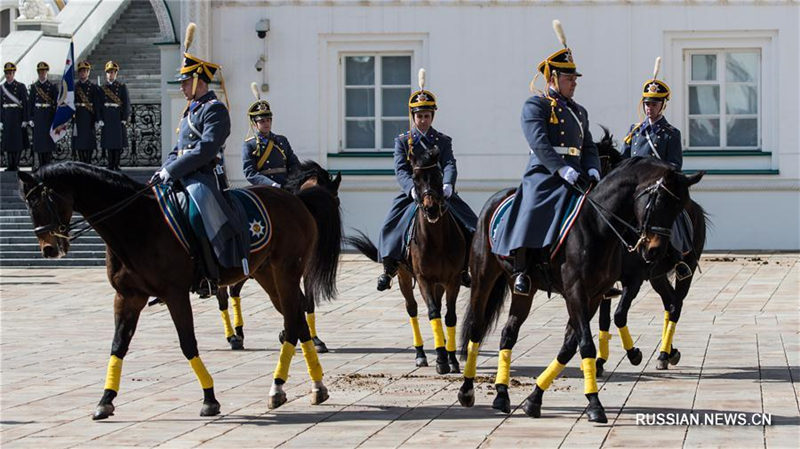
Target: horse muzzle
{"type": "Point", "coordinates": [654, 247]}
{"type": "Point", "coordinates": [54, 247]}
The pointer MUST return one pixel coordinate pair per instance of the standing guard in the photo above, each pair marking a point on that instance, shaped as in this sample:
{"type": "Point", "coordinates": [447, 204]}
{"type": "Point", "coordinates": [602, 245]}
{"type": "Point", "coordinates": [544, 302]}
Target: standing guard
{"type": "Point", "coordinates": [266, 157]}
{"type": "Point", "coordinates": [422, 137]}
{"type": "Point", "coordinates": [116, 111]}
{"type": "Point", "coordinates": [562, 154]}
{"type": "Point", "coordinates": [88, 107]}
{"type": "Point", "coordinates": [43, 103]}
{"type": "Point", "coordinates": [655, 137]}
{"type": "Point", "coordinates": [14, 117]}
{"type": "Point", "coordinates": [194, 161]}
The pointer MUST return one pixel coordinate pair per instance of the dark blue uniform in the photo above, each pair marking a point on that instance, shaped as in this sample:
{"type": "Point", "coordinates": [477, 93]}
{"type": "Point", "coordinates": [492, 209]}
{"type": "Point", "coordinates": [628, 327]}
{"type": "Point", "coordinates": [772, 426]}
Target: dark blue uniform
{"type": "Point", "coordinates": [116, 109]}
{"type": "Point", "coordinates": [660, 140]}
{"type": "Point", "coordinates": [266, 160]}
{"type": "Point", "coordinates": [203, 130]}
{"type": "Point", "coordinates": [88, 105]}
{"type": "Point", "coordinates": [557, 131]}
{"type": "Point", "coordinates": [14, 114]}
{"type": "Point", "coordinates": [43, 103]}
{"type": "Point", "coordinates": [390, 244]}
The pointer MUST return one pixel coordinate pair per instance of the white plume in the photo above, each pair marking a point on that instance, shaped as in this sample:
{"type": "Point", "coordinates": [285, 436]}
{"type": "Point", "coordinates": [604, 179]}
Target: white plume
{"type": "Point", "coordinates": [657, 67]}
{"type": "Point", "coordinates": [421, 78]}
{"type": "Point", "coordinates": [187, 41]}
{"type": "Point", "coordinates": [560, 32]}
{"type": "Point", "coordinates": [254, 89]}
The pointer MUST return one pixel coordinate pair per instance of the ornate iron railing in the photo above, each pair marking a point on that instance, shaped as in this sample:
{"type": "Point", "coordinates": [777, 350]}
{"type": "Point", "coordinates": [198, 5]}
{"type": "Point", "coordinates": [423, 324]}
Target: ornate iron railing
{"type": "Point", "coordinates": [143, 137]}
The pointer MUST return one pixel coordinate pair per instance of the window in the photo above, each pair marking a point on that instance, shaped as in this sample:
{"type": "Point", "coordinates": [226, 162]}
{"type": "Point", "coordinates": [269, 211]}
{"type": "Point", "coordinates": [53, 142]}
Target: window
{"type": "Point", "coordinates": [5, 22]}
{"type": "Point", "coordinates": [376, 91]}
{"type": "Point", "coordinates": [724, 99]}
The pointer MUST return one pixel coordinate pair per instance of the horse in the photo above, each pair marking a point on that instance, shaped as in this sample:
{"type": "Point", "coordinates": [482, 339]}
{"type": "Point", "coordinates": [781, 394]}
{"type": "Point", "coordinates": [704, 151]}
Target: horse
{"type": "Point", "coordinates": [647, 193]}
{"type": "Point", "coordinates": [308, 174]}
{"type": "Point", "coordinates": [144, 259]}
{"type": "Point", "coordinates": [436, 252]}
{"type": "Point", "coordinates": [635, 271]}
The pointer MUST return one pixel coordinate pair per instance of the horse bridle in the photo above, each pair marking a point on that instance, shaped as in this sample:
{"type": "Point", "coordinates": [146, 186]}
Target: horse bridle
{"type": "Point", "coordinates": [428, 191]}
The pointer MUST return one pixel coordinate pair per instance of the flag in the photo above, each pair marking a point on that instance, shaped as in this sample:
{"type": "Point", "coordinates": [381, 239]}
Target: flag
{"type": "Point", "coordinates": [66, 98]}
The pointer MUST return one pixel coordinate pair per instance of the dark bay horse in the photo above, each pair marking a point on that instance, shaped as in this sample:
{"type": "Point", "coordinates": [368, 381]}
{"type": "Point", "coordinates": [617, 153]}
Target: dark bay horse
{"type": "Point", "coordinates": [435, 258]}
{"type": "Point", "coordinates": [645, 195]}
{"type": "Point", "coordinates": [308, 174]}
{"type": "Point", "coordinates": [143, 259]}
{"type": "Point", "coordinates": [635, 271]}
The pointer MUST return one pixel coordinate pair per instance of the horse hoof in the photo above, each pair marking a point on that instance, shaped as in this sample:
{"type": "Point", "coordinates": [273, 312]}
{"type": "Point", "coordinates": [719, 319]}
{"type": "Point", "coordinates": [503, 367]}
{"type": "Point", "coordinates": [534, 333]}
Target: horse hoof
{"type": "Point", "coordinates": [454, 368]}
{"type": "Point", "coordinates": [236, 342]}
{"type": "Point", "coordinates": [596, 414]}
{"type": "Point", "coordinates": [674, 357]}
{"type": "Point", "coordinates": [635, 356]}
{"type": "Point", "coordinates": [319, 396]}
{"type": "Point", "coordinates": [442, 368]}
{"type": "Point", "coordinates": [661, 364]}
{"type": "Point", "coordinates": [281, 336]}
{"type": "Point", "coordinates": [210, 409]}
{"type": "Point", "coordinates": [532, 409]}
{"type": "Point", "coordinates": [320, 345]}
{"type": "Point", "coordinates": [277, 400]}
{"type": "Point", "coordinates": [421, 361]}
{"type": "Point", "coordinates": [466, 398]}
{"type": "Point", "coordinates": [103, 411]}
{"type": "Point", "coordinates": [502, 402]}
{"type": "Point", "coordinates": [599, 364]}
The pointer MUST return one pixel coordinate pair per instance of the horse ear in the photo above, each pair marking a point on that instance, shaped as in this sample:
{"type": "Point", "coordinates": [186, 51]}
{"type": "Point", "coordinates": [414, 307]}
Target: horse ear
{"type": "Point", "coordinates": [26, 179]}
{"type": "Point", "coordinates": [337, 179]}
{"type": "Point", "coordinates": [691, 180]}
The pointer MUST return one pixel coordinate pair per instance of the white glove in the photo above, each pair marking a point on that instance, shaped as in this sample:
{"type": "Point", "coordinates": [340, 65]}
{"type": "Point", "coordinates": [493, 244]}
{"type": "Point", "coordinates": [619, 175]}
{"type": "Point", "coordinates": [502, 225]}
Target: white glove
{"type": "Point", "coordinates": [275, 184]}
{"type": "Point", "coordinates": [448, 190]}
{"type": "Point", "coordinates": [568, 173]}
{"type": "Point", "coordinates": [414, 193]}
{"type": "Point", "coordinates": [1, 126]}
{"type": "Point", "coordinates": [99, 124]}
{"type": "Point", "coordinates": [30, 123]}
{"type": "Point", "coordinates": [163, 174]}
{"type": "Point", "coordinates": [124, 122]}
{"type": "Point", "coordinates": [24, 124]}
{"type": "Point", "coordinates": [594, 174]}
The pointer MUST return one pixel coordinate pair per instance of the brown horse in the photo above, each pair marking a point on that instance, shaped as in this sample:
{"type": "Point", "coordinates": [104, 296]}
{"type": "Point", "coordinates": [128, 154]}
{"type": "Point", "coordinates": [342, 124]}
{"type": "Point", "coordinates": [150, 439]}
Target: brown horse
{"type": "Point", "coordinates": [309, 174]}
{"type": "Point", "coordinates": [642, 197]}
{"type": "Point", "coordinates": [435, 261]}
{"type": "Point", "coordinates": [144, 259]}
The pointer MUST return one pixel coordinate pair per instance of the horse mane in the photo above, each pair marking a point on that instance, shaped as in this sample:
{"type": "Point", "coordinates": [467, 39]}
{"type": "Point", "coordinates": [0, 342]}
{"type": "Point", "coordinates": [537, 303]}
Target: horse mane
{"type": "Point", "coordinates": [307, 169]}
{"type": "Point", "coordinates": [109, 179]}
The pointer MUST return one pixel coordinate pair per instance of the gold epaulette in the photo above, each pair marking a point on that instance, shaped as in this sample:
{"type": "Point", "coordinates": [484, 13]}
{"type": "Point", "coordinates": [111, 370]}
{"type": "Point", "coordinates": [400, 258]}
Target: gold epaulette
{"type": "Point", "coordinates": [629, 137]}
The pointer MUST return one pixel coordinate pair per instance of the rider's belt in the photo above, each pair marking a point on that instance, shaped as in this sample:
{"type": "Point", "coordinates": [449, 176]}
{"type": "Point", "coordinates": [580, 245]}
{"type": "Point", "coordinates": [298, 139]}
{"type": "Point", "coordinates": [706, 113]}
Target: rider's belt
{"type": "Point", "coordinates": [272, 171]}
{"type": "Point", "coordinates": [82, 105]}
{"type": "Point", "coordinates": [42, 105]}
{"type": "Point", "coordinates": [111, 105]}
{"type": "Point", "coordinates": [568, 151]}
{"type": "Point", "coordinates": [12, 105]}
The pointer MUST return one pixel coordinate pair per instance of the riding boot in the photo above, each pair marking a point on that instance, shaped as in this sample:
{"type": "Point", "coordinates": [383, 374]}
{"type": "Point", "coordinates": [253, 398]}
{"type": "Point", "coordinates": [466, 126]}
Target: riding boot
{"type": "Point", "coordinates": [389, 270]}
{"type": "Point", "coordinates": [210, 270]}
{"type": "Point", "coordinates": [522, 282]}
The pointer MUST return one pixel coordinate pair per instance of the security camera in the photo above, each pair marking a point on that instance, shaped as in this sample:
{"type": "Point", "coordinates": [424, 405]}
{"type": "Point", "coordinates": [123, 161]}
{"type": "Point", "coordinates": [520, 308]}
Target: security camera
{"type": "Point", "coordinates": [262, 27]}
{"type": "Point", "coordinates": [260, 63]}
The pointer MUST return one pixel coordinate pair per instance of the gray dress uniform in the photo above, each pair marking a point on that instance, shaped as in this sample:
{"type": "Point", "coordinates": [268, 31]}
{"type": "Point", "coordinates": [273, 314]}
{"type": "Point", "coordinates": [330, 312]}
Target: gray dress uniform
{"type": "Point", "coordinates": [14, 112]}
{"type": "Point", "coordinates": [390, 243]}
{"type": "Point", "coordinates": [267, 160]}
{"type": "Point", "coordinates": [43, 103]}
{"type": "Point", "coordinates": [660, 140]}
{"type": "Point", "coordinates": [88, 105]}
{"type": "Point", "coordinates": [116, 109]}
{"type": "Point", "coordinates": [203, 130]}
{"type": "Point", "coordinates": [534, 218]}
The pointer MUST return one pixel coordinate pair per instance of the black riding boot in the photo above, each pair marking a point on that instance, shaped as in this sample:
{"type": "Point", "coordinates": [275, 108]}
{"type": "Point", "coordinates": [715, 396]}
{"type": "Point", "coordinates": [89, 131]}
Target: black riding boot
{"type": "Point", "coordinates": [389, 270]}
{"type": "Point", "coordinates": [210, 270]}
{"type": "Point", "coordinates": [522, 282]}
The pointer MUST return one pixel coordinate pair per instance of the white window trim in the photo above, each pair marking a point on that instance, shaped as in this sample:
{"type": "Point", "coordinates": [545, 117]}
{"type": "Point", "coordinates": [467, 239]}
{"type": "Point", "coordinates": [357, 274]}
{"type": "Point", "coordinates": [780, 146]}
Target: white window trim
{"type": "Point", "coordinates": [331, 75]}
{"type": "Point", "coordinates": [677, 44]}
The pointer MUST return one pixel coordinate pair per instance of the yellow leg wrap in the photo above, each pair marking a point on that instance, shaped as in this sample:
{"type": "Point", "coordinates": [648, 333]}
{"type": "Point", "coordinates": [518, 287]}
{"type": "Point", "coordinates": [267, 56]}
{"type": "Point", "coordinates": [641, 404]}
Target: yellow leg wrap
{"type": "Point", "coordinates": [312, 324]}
{"type": "Point", "coordinates": [417, 334]}
{"type": "Point", "coordinates": [625, 336]}
{"type": "Point", "coordinates": [546, 378]}
{"type": "Point", "coordinates": [312, 361]}
{"type": "Point", "coordinates": [113, 373]}
{"type": "Point", "coordinates": [472, 360]}
{"type": "Point", "coordinates": [664, 328]}
{"type": "Point", "coordinates": [238, 319]}
{"type": "Point", "coordinates": [503, 367]}
{"type": "Point", "coordinates": [201, 372]}
{"type": "Point", "coordinates": [438, 333]}
{"type": "Point", "coordinates": [589, 375]}
{"type": "Point", "coordinates": [284, 361]}
{"type": "Point", "coordinates": [451, 338]}
{"type": "Point", "coordinates": [226, 321]}
{"type": "Point", "coordinates": [603, 338]}
{"type": "Point", "coordinates": [666, 343]}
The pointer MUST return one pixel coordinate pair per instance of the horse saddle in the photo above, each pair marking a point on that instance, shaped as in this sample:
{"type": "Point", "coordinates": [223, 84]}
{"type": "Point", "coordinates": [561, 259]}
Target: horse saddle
{"type": "Point", "coordinates": [184, 220]}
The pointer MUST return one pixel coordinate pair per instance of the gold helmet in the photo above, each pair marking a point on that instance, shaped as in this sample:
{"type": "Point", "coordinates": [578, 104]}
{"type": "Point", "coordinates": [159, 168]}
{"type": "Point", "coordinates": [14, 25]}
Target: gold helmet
{"type": "Point", "coordinates": [421, 100]}
{"type": "Point", "coordinates": [111, 65]}
{"type": "Point", "coordinates": [259, 108]}
{"type": "Point", "coordinates": [42, 66]}
{"type": "Point", "coordinates": [654, 89]}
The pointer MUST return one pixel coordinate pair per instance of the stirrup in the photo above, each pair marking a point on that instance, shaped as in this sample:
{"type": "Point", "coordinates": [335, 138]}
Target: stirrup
{"type": "Point", "coordinates": [682, 271]}
{"type": "Point", "coordinates": [207, 288]}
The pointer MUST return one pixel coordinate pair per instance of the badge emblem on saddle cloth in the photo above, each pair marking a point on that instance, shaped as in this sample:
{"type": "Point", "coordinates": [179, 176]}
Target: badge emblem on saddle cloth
{"type": "Point", "coordinates": [571, 213]}
{"type": "Point", "coordinates": [258, 221]}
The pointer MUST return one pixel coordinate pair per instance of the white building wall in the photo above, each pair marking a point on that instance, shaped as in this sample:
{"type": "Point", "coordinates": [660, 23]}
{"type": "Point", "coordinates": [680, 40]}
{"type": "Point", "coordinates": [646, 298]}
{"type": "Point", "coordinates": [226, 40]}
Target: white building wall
{"type": "Point", "coordinates": [480, 57]}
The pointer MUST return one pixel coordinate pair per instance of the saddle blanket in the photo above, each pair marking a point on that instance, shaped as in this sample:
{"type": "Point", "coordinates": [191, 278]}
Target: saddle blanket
{"type": "Point", "coordinates": [567, 220]}
{"type": "Point", "coordinates": [178, 220]}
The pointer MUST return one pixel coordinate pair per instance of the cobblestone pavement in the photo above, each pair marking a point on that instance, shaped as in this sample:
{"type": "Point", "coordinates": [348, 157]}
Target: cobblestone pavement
{"type": "Point", "coordinates": [739, 336]}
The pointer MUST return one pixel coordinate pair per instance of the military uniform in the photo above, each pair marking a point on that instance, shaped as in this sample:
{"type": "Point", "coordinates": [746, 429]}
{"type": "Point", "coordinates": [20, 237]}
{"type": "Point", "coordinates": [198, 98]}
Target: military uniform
{"type": "Point", "coordinates": [115, 113]}
{"type": "Point", "coordinates": [88, 110]}
{"type": "Point", "coordinates": [14, 116]}
{"type": "Point", "coordinates": [267, 160]}
{"type": "Point", "coordinates": [43, 104]}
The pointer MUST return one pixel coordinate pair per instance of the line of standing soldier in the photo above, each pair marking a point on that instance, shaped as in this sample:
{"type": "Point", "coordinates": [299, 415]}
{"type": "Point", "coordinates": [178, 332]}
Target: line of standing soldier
{"type": "Point", "coordinates": [106, 108]}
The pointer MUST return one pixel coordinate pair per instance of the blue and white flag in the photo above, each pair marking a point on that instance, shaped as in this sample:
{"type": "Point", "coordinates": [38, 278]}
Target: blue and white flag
{"type": "Point", "coordinates": [66, 98]}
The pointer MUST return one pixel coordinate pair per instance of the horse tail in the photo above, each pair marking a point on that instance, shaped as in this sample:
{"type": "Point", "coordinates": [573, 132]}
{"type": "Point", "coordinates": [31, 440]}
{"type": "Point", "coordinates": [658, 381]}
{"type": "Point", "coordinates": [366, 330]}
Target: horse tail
{"type": "Point", "coordinates": [364, 245]}
{"type": "Point", "coordinates": [476, 324]}
{"type": "Point", "coordinates": [319, 278]}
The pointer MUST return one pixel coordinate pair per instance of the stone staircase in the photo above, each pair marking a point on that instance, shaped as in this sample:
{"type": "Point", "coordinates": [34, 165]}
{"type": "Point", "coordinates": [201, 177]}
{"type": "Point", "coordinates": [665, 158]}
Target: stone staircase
{"type": "Point", "coordinates": [129, 43]}
{"type": "Point", "coordinates": [19, 247]}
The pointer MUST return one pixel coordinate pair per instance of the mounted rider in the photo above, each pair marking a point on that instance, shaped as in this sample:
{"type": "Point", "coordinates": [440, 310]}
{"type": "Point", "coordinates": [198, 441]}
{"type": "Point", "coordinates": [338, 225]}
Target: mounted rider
{"type": "Point", "coordinates": [655, 137]}
{"type": "Point", "coordinates": [195, 161]}
{"type": "Point", "coordinates": [421, 137]}
{"type": "Point", "coordinates": [562, 154]}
